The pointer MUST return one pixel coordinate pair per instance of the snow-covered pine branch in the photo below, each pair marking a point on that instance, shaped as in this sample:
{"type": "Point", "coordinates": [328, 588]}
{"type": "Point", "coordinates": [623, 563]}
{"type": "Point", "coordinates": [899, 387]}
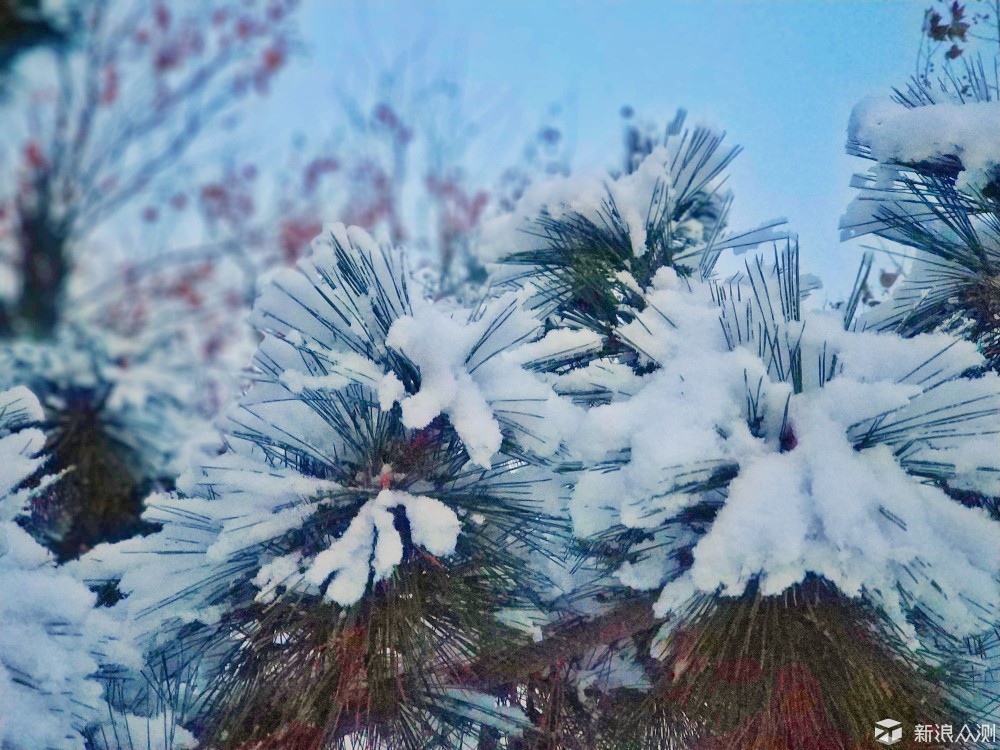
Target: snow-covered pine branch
{"type": "Point", "coordinates": [384, 486]}
{"type": "Point", "coordinates": [935, 190]}
{"type": "Point", "coordinates": [121, 415]}
{"type": "Point", "coordinates": [53, 643]}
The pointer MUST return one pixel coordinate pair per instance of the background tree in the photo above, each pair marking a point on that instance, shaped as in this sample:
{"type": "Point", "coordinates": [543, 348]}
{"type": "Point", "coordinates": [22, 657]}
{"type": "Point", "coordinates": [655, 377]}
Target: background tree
{"type": "Point", "coordinates": [91, 128]}
{"type": "Point", "coordinates": [111, 118]}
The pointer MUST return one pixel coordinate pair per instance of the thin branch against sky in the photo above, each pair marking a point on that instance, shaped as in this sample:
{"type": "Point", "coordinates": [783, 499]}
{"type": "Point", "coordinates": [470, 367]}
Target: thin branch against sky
{"type": "Point", "coordinates": [781, 77]}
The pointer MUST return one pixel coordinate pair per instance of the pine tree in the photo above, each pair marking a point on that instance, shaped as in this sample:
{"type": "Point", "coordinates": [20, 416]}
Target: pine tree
{"type": "Point", "coordinates": [383, 497]}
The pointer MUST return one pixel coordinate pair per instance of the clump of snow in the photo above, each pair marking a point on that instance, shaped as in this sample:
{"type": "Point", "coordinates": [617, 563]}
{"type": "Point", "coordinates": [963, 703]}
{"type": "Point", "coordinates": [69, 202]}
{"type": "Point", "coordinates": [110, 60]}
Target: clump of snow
{"type": "Point", "coordinates": [660, 174]}
{"type": "Point", "coordinates": [675, 194]}
{"type": "Point", "coordinates": [227, 509]}
{"type": "Point", "coordinates": [19, 447]}
{"type": "Point", "coordinates": [853, 517]}
{"type": "Point", "coordinates": [899, 134]}
{"type": "Point", "coordinates": [584, 193]}
{"type": "Point", "coordinates": [440, 346]}
{"type": "Point", "coordinates": [471, 370]}
{"type": "Point", "coordinates": [370, 549]}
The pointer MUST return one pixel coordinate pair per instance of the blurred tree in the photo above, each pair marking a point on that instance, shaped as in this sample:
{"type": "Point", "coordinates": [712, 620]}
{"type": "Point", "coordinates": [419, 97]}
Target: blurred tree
{"type": "Point", "coordinates": [414, 132]}
{"type": "Point", "coordinates": [112, 118]}
{"type": "Point", "coordinates": [91, 131]}
{"type": "Point", "coordinates": [132, 215]}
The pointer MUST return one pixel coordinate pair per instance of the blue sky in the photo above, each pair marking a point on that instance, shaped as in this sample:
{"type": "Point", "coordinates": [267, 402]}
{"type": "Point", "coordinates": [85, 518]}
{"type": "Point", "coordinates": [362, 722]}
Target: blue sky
{"type": "Point", "coordinates": [780, 77]}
